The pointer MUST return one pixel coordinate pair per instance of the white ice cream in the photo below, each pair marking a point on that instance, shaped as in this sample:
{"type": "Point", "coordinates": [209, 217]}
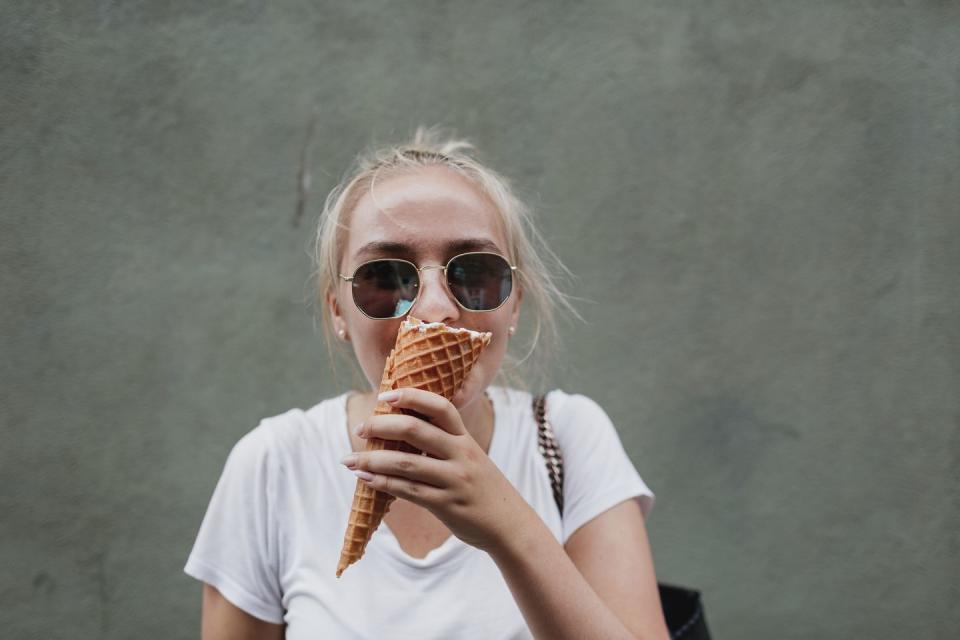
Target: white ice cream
{"type": "Point", "coordinates": [410, 324]}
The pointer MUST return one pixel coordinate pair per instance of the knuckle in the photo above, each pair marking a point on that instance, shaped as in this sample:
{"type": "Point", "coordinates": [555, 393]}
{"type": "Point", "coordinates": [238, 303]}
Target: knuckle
{"type": "Point", "coordinates": [409, 428]}
{"type": "Point", "coordinates": [447, 408]}
{"type": "Point", "coordinates": [471, 457]}
{"type": "Point", "coordinates": [404, 464]}
{"type": "Point", "coordinates": [462, 476]}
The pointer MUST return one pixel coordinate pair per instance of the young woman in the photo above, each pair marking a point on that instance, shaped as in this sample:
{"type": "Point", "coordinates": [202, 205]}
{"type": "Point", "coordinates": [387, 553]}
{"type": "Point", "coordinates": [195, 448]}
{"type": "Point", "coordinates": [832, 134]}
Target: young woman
{"type": "Point", "coordinates": [475, 546]}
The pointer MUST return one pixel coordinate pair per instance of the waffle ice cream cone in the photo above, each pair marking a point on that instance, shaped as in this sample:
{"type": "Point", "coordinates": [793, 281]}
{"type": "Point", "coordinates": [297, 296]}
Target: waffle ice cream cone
{"type": "Point", "coordinates": [430, 356]}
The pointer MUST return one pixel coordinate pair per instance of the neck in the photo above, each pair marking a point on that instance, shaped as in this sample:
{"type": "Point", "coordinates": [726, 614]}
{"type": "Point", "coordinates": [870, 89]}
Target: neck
{"type": "Point", "coordinates": [478, 420]}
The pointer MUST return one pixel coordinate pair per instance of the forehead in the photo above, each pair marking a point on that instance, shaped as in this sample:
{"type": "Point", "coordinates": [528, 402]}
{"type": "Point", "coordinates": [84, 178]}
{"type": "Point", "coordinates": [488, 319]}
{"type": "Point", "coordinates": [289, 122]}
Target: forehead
{"type": "Point", "coordinates": [428, 210]}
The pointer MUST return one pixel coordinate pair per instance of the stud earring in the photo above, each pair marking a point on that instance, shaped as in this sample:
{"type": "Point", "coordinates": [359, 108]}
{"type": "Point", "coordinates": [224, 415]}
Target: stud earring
{"type": "Point", "coordinates": [342, 334]}
{"type": "Point", "coordinates": [512, 330]}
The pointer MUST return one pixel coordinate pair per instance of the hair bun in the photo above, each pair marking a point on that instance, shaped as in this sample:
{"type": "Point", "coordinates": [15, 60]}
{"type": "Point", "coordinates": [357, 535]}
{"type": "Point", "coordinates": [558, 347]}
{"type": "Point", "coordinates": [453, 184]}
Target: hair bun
{"type": "Point", "coordinates": [435, 140]}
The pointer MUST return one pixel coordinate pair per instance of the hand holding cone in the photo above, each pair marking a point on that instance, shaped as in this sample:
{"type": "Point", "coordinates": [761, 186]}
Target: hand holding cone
{"type": "Point", "coordinates": [430, 356]}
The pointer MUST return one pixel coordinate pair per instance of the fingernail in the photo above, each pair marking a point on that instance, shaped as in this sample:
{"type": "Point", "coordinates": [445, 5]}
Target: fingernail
{"type": "Point", "coordinates": [360, 429]}
{"type": "Point", "coordinates": [389, 396]}
{"type": "Point", "coordinates": [366, 476]}
{"type": "Point", "coordinates": [349, 461]}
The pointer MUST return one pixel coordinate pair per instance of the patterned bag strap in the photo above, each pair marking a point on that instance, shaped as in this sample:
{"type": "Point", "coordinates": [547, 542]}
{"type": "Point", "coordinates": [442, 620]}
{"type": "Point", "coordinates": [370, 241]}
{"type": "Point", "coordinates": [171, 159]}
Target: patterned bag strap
{"type": "Point", "coordinates": [682, 608]}
{"type": "Point", "coordinates": [550, 450]}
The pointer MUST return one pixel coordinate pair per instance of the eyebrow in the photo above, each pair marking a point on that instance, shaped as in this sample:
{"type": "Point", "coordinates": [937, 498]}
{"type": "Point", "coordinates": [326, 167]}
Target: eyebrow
{"type": "Point", "coordinates": [386, 247]}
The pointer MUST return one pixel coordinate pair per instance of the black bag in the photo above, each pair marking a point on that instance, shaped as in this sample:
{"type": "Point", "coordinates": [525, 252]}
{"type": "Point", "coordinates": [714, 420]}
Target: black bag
{"type": "Point", "coordinates": [682, 608]}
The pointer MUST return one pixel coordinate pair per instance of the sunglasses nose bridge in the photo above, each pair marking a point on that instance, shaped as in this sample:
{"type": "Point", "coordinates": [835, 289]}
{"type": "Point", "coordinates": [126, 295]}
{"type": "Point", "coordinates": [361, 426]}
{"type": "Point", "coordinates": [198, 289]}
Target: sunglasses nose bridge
{"type": "Point", "coordinates": [435, 302]}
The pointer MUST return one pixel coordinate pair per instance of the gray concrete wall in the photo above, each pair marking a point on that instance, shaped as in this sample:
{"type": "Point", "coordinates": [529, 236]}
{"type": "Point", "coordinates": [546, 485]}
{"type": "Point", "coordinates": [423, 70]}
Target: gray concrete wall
{"type": "Point", "coordinates": [760, 200]}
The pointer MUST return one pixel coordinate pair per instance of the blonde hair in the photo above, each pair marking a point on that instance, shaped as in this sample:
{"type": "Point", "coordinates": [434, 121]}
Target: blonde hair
{"type": "Point", "coordinates": [526, 248]}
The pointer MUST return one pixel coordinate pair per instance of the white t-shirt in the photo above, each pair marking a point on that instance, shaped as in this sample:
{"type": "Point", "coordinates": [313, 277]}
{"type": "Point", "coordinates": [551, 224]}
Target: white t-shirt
{"type": "Point", "coordinates": [271, 537]}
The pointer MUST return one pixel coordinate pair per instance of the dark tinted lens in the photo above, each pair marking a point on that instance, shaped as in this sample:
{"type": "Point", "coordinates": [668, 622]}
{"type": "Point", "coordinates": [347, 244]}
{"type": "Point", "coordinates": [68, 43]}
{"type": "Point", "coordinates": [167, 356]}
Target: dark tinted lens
{"type": "Point", "coordinates": [480, 281]}
{"type": "Point", "coordinates": [385, 288]}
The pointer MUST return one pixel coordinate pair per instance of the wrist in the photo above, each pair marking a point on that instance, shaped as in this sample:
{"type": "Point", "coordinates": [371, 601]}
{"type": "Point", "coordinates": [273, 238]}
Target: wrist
{"type": "Point", "coordinates": [520, 536]}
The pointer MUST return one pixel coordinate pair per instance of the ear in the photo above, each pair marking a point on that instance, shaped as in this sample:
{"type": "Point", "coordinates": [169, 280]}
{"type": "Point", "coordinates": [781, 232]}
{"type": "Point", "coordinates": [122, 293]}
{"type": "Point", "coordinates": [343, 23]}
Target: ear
{"type": "Point", "coordinates": [515, 313]}
{"type": "Point", "coordinates": [336, 316]}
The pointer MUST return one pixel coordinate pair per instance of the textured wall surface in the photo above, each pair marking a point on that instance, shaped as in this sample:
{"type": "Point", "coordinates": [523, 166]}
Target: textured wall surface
{"type": "Point", "coordinates": [760, 200]}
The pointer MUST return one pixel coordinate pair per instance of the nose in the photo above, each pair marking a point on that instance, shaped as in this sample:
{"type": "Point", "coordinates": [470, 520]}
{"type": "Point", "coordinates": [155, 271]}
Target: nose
{"type": "Point", "coordinates": [435, 302]}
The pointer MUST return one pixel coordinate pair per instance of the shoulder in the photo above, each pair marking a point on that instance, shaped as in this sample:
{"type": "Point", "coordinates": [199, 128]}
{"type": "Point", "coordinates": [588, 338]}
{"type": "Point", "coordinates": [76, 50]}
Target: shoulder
{"type": "Point", "coordinates": [571, 414]}
{"type": "Point", "coordinates": [276, 437]}
{"type": "Point", "coordinates": [598, 471]}
{"type": "Point", "coordinates": [583, 430]}
{"type": "Point", "coordinates": [560, 402]}
{"type": "Point", "coordinates": [562, 408]}
{"type": "Point", "coordinates": [510, 400]}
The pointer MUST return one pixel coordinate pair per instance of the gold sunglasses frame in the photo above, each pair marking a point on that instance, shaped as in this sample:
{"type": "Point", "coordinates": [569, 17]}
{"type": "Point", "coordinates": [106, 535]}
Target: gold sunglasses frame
{"type": "Point", "coordinates": [419, 270]}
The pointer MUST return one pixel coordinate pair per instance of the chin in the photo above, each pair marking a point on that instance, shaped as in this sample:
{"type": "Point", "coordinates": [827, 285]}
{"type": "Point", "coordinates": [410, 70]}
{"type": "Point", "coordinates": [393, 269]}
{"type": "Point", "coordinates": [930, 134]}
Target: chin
{"type": "Point", "coordinates": [472, 389]}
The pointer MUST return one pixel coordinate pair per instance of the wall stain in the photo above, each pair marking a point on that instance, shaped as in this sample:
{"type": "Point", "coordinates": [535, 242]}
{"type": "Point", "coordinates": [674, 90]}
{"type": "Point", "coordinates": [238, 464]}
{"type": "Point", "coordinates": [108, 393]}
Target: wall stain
{"type": "Point", "coordinates": [738, 438]}
{"type": "Point", "coordinates": [96, 564]}
{"type": "Point", "coordinates": [44, 583]}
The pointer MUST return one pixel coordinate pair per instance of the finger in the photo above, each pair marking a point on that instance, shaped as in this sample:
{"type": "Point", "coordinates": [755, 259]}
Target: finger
{"type": "Point", "coordinates": [431, 406]}
{"type": "Point", "coordinates": [411, 466]}
{"type": "Point", "coordinates": [425, 436]}
{"type": "Point", "coordinates": [416, 492]}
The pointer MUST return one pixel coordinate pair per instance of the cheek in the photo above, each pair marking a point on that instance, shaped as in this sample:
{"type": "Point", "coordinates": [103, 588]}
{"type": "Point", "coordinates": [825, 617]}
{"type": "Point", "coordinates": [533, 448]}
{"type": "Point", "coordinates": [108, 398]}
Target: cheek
{"type": "Point", "coordinates": [498, 345]}
{"type": "Point", "coordinates": [499, 325]}
{"type": "Point", "coordinates": [493, 355]}
{"type": "Point", "coordinates": [371, 346]}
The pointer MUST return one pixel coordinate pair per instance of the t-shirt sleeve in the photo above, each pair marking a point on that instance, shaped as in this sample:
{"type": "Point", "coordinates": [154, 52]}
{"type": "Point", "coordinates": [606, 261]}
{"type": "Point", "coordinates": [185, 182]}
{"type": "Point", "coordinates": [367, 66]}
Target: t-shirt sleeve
{"type": "Point", "coordinates": [236, 550]}
{"type": "Point", "coordinates": [598, 474]}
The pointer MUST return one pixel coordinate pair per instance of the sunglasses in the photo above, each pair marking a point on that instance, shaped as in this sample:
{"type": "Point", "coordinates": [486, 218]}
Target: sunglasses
{"type": "Point", "coordinates": [385, 289]}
